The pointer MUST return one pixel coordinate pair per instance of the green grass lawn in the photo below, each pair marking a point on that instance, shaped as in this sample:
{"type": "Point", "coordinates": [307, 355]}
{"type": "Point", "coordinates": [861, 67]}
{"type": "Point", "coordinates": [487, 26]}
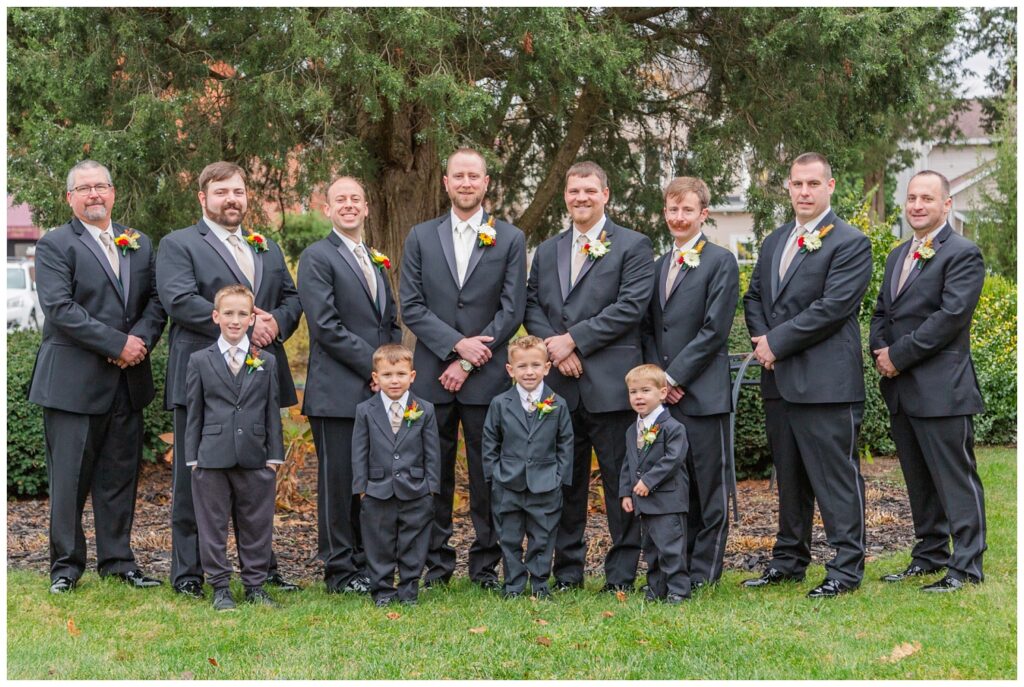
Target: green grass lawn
{"type": "Point", "coordinates": [725, 632]}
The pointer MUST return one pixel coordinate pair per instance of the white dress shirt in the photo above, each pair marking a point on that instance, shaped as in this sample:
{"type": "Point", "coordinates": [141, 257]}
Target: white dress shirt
{"type": "Point", "coordinates": [650, 418]}
{"type": "Point", "coordinates": [808, 227]}
{"type": "Point", "coordinates": [224, 345]}
{"type": "Point", "coordinates": [593, 234]}
{"type": "Point", "coordinates": [524, 396]}
{"type": "Point", "coordinates": [403, 400]}
{"type": "Point", "coordinates": [464, 240]}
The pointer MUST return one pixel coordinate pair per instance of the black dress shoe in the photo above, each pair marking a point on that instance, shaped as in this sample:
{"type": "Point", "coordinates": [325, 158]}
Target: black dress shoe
{"type": "Point", "coordinates": [135, 578]}
{"type": "Point", "coordinates": [564, 586]}
{"type": "Point", "coordinates": [542, 594]}
{"type": "Point", "coordinates": [911, 571]}
{"type": "Point", "coordinates": [697, 585]}
{"type": "Point", "coordinates": [488, 584]}
{"type": "Point", "coordinates": [613, 588]}
{"type": "Point", "coordinates": [771, 576]}
{"type": "Point", "coordinates": [191, 589]}
{"type": "Point", "coordinates": [829, 589]}
{"type": "Point", "coordinates": [675, 599]}
{"type": "Point", "coordinates": [62, 585]}
{"type": "Point", "coordinates": [222, 600]}
{"type": "Point", "coordinates": [949, 584]}
{"type": "Point", "coordinates": [383, 601]}
{"type": "Point", "coordinates": [357, 585]}
{"type": "Point", "coordinates": [258, 596]}
{"type": "Point", "coordinates": [409, 602]}
{"type": "Point", "coordinates": [511, 595]}
{"type": "Point", "coordinates": [436, 582]}
{"type": "Point", "coordinates": [280, 583]}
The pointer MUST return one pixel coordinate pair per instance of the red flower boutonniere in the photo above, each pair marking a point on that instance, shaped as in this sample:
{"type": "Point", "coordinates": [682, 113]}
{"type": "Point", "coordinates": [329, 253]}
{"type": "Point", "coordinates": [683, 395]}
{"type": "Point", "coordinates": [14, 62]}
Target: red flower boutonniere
{"type": "Point", "coordinates": [486, 234]}
{"type": "Point", "coordinates": [127, 240]}
{"type": "Point", "coordinates": [811, 242]}
{"type": "Point", "coordinates": [412, 414]}
{"type": "Point", "coordinates": [691, 259]}
{"type": "Point", "coordinates": [923, 254]}
{"type": "Point", "coordinates": [253, 361]}
{"type": "Point", "coordinates": [545, 407]}
{"type": "Point", "coordinates": [257, 241]}
{"type": "Point", "coordinates": [594, 250]}
{"type": "Point", "coordinates": [379, 260]}
{"type": "Point", "coordinates": [650, 436]}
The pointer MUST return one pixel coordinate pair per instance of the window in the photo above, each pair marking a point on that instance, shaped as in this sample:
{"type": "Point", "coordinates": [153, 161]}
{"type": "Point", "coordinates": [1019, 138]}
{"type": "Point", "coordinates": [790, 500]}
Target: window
{"type": "Point", "coordinates": [744, 247]}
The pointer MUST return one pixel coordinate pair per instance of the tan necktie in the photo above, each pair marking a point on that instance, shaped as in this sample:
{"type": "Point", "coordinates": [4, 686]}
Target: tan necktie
{"type": "Point", "coordinates": [465, 249]}
{"type": "Point", "coordinates": [639, 432]}
{"type": "Point", "coordinates": [234, 360]}
{"type": "Point", "coordinates": [531, 408]}
{"type": "Point", "coordinates": [243, 256]}
{"type": "Point", "coordinates": [367, 268]}
{"type": "Point", "coordinates": [578, 258]}
{"type": "Point", "coordinates": [790, 253]}
{"type": "Point", "coordinates": [108, 247]}
{"type": "Point", "coordinates": [673, 272]}
{"type": "Point", "coordinates": [908, 264]}
{"type": "Point", "coordinates": [396, 416]}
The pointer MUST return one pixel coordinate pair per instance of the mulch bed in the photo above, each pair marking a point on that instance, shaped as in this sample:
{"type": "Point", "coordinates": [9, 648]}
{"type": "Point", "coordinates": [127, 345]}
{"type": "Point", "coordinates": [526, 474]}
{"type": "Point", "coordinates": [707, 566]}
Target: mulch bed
{"type": "Point", "coordinates": [749, 545]}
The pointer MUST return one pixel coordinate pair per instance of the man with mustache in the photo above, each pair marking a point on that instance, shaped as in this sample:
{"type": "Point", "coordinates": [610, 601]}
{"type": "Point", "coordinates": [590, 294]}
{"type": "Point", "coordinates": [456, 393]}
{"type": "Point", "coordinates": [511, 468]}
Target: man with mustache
{"type": "Point", "coordinates": [192, 265]}
{"type": "Point", "coordinates": [589, 287]}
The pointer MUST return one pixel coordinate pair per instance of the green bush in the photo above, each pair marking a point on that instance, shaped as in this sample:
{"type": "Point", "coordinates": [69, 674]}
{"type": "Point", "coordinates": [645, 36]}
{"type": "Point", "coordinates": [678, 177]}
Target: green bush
{"type": "Point", "coordinates": [26, 444]}
{"type": "Point", "coordinates": [299, 231]}
{"type": "Point", "coordinates": [994, 350]}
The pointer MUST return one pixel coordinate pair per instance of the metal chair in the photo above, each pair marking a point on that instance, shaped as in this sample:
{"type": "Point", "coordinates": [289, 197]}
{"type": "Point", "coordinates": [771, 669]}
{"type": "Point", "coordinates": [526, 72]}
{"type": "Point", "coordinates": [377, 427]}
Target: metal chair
{"type": "Point", "coordinates": [738, 364]}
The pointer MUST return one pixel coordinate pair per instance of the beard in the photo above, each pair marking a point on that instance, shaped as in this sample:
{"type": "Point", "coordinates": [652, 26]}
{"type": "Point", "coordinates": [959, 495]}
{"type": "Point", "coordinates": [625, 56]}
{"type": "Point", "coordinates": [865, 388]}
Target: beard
{"type": "Point", "coordinates": [95, 213]}
{"type": "Point", "coordinates": [222, 217]}
{"type": "Point", "coordinates": [466, 202]}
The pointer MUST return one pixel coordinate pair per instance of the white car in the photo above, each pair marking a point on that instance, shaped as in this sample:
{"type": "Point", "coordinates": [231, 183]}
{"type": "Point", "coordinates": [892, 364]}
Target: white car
{"type": "Point", "coordinates": [23, 311]}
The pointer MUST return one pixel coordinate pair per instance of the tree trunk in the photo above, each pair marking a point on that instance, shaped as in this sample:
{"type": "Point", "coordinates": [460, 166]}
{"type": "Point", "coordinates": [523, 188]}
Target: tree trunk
{"type": "Point", "coordinates": [875, 179]}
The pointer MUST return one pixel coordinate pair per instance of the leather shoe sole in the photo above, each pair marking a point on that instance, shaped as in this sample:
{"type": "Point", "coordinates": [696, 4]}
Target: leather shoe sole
{"type": "Point", "coordinates": [911, 571]}
{"type": "Point", "coordinates": [192, 590]}
{"type": "Point", "coordinates": [281, 584]}
{"type": "Point", "coordinates": [63, 585]}
{"type": "Point", "coordinates": [948, 584]}
{"type": "Point", "coordinates": [135, 578]}
{"type": "Point", "coordinates": [563, 586]}
{"type": "Point", "coordinates": [829, 589]}
{"type": "Point", "coordinates": [771, 576]}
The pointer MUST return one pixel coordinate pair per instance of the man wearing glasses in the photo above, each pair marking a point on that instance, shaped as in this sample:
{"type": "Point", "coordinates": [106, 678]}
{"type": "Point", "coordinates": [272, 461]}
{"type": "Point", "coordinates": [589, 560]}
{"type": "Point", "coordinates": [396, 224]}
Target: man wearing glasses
{"type": "Point", "coordinates": [92, 376]}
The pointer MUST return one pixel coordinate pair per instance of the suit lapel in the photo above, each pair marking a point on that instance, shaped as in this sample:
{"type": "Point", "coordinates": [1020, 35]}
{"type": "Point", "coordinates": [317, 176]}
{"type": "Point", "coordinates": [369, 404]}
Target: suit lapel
{"type": "Point", "coordinates": [474, 257]}
{"type": "Point", "coordinates": [404, 428]}
{"type": "Point", "coordinates": [682, 273]}
{"type": "Point", "coordinates": [645, 453]}
{"type": "Point", "coordinates": [897, 269]}
{"type": "Point", "coordinates": [444, 234]}
{"type": "Point", "coordinates": [124, 261]}
{"type": "Point", "coordinates": [222, 250]}
{"type": "Point", "coordinates": [86, 238]}
{"type": "Point", "coordinates": [940, 240]}
{"type": "Point", "coordinates": [564, 257]}
{"type": "Point", "coordinates": [609, 231]}
{"type": "Point", "coordinates": [257, 268]}
{"type": "Point", "coordinates": [349, 259]}
{"type": "Point", "coordinates": [782, 236]}
{"type": "Point", "coordinates": [379, 415]}
{"type": "Point", "coordinates": [247, 377]}
{"type": "Point", "coordinates": [515, 407]}
{"type": "Point", "coordinates": [220, 365]}
{"type": "Point", "coordinates": [800, 256]}
{"type": "Point", "coordinates": [666, 265]}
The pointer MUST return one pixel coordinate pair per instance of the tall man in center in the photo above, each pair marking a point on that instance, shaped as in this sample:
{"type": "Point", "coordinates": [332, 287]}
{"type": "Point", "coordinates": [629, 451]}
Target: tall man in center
{"type": "Point", "coordinates": [463, 293]}
{"type": "Point", "coordinates": [589, 287]}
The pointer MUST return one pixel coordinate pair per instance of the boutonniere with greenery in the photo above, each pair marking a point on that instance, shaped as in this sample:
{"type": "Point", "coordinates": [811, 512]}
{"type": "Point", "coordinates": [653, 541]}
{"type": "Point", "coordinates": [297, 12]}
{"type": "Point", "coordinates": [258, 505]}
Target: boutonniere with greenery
{"type": "Point", "coordinates": [253, 361]}
{"type": "Point", "coordinates": [545, 407]}
{"type": "Point", "coordinates": [486, 234]}
{"type": "Point", "coordinates": [257, 241]}
{"type": "Point", "coordinates": [594, 250]}
{"type": "Point", "coordinates": [650, 436]}
{"type": "Point", "coordinates": [811, 242]}
{"type": "Point", "coordinates": [412, 414]}
{"type": "Point", "coordinates": [127, 240]}
{"type": "Point", "coordinates": [923, 254]}
{"type": "Point", "coordinates": [690, 259]}
{"type": "Point", "coordinates": [379, 260]}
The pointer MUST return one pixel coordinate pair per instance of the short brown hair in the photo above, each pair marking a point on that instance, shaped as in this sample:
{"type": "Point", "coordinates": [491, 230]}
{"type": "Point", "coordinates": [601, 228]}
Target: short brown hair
{"type": "Point", "coordinates": [586, 169]}
{"type": "Point", "coordinates": [680, 186]}
{"type": "Point", "coordinates": [391, 354]}
{"type": "Point", "coordinates": [525, 343]}
{"type": "Point", "coordinates": [942, 180]}
{"type": "Point", "coordinates": [327, 191]}
{"type": "Point", "coordinates": [233, 290]}
{"type": "Point", "coordinates": [647, 373]}
{"type": "Point", "coordinates": [219, 171]}
{"type": "Point", "coordinates": [811, 158]}
{"type": "Point", "coordinates": [466, 150]}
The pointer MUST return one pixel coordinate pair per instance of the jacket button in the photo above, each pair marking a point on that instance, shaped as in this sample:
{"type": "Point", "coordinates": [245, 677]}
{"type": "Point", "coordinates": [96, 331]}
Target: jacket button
{"type": "Point", "coordinates": [238, 407]}
{"type": "Point", "coordinates": [396, 456]}
{"type": "Point", "coordinates": [665, 358]}
{"type": "Point", "coordinates": [664, 328]}
{"type": "Point", "coordinates": [460, 304]}
{"type": "Point", "coordinates": [239, 430]}
{"type": "Point", "coordinates": [775, 314]}
{"type": "Point", "coordinates": [565, 318]}
{"type": "Point", "coordinates": [529, 460]}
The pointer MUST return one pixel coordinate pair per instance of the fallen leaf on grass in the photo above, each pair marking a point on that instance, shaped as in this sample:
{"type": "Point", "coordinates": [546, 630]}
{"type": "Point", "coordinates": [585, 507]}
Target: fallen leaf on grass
{"type": "Point", "coordinates": [901, 651]}
{"type": "Point", "coordinates": [213, 662]}
{"type": "Point", "coordinates": [621, 596]}
{"type": "Point", "coordinates": [544, 641]}
{"type": "Point", "coordinates": [540, 621]}
{"type": "Point", "coordinates": [72, 628]}
{"type": "Point", "coordinates": [641, 641]}
{"type": "Point", "coordinates": [188, 675]}
{"type": "Point", "coordinates": [607, 614]}
{"type": "Point", "coordinates": [477, 630]}
{"type": "Point", "coordinates": [391, 615]}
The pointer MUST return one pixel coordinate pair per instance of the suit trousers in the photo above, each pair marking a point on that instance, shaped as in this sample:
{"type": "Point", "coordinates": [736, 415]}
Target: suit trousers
{"type": "Point", "coordinates": [339, 540]}
{"type": "Point", "coordinates": [814, 449]}
{"type": "Point", "coordinates": [519, 514]}
{"type": "Point", "coordinates": [186, 564]}
{"type": "Point", "coordinates": [664, 544]}
{"type": "Point", "coordinates": [484, 552]}
{"type": "Point", "coordinates": [247, 495]}
{"type": "Point", "coordinates": [708, 468]}
{"type": "Point", "coordinates": [396, 534]}
{"type": "Point", "coordinates": [97, 454]}
{"type": "Point", "coordinates": [946, 496]}
{"type": "Point", "coordinates": [604, 433]}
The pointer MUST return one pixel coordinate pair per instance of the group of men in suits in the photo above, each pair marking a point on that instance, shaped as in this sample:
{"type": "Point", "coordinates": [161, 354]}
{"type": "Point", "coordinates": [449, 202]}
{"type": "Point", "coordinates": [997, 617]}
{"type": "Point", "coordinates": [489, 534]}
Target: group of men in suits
{"type": "Point", "coordinates": [601, 304]}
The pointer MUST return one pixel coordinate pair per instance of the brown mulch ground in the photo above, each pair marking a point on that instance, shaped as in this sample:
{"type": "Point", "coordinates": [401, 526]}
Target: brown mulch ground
{"type": "Point", "coordinates": [748, 548]}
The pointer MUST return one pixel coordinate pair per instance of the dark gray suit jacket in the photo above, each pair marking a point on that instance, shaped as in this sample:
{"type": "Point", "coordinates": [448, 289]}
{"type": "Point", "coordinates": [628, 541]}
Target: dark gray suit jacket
{"type": "Point", "coordinates": [89, 315]}
{"type": "Point", "coordinates": [522, 457]}
{"type": "Point", "coordinates": [660, 466]}
{"type": "Point", "coordinates": [232, 426]}
{"type": "Point", "coordinates": [602, 311]}
{"type": "Point", "coordinates": [687, 334]}
{"type": "Point", "coordinates": [810, 317]}
{"type": "Point", "coordinates": [191, 266]}
{"type": "Point", "coordinates": [439, 313]}
{"type": "Point", "coordinates": [345, 327]}
{"type": "Point", "coordinates": [927, 327]}
{"type": "Point", "coordinates": [406, 465]}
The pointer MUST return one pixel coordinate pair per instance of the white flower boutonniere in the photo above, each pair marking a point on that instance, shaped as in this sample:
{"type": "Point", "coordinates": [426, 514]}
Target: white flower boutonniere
{"type": "Point", "coordinates": [811, 242]}
{"type": "Point", "coordinates": [594, 250]}
{"type": "Point", "coordinates": [486, 234]}
{"type": "Point", "coordinates": [690, 259]}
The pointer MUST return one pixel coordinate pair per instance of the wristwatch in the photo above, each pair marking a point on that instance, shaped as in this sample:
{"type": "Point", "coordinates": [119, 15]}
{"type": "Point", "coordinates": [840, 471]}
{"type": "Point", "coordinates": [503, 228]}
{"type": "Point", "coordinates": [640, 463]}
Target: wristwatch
{"type": "Point", "coordinates": [466, 365]}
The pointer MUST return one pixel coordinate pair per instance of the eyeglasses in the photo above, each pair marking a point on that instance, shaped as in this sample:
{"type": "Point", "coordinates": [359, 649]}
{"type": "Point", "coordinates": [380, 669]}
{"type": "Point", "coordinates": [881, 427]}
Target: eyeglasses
{"type": "Point", "coordinates": [101, 189]}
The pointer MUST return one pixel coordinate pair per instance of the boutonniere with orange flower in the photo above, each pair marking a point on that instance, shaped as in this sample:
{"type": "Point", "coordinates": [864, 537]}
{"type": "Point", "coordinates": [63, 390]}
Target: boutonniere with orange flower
{"type": "Point", "coordinates": [650, 436]}
{"type": "Point", "coordinates": [811, 242]}
{"type": "Point", "coordinates": [486, 234]}
{"type": "Point", "coordinates": [257, 241]}
{"type": "Point", "coordinates": [253, 361]}
{"type": "Point", "coordinates": [923, 254]}
{"type": "Point", "coordinates": [545, 407]}
{"type": "Point", "coordinates": [594, 250]}
{"type": "Point", "coordinates": [690, 259]}
{"type": "Point", "coordinates": [127, 240]}
{"type": "Point", "coordinates": [379, 260]}
{"type": "Point", "coordinates": [412, 414]}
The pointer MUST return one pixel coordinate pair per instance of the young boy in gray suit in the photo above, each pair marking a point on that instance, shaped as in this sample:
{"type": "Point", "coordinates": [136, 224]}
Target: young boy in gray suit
{"type": "Point", "coordinates": [527, 457]}
{"type": "Point", "coordinates": [654, 484]}
{"type": "Point", "coordinates": [396, 470]}
{"type": "Point", "coordinates": [233, 445]}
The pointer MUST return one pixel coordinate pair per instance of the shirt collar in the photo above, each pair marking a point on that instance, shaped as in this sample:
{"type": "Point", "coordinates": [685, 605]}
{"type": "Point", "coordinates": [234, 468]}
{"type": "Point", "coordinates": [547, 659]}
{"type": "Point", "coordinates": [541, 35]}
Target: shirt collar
{"type": "Point", "coordinates": [809, 226]}
{"type": "Point", "coordinates": [650, 419]}
{"type": "Point", "coordinates": [404, 400]}
{"type": "Point", "coordinates": [220, 232]}
{"type": "Point", "coordinates": [224, 345]}
{"type": "Point", "coordinates": [689, 244]}
{"type": "Point", "coordinates": [524, 395]}
{"type": "Point", "coordinates": [347, 241]}
{"type": "Point", "coordinates": [593, 233]}
{"type": "Point", "coordinates": [475, 221]}
{"type": "Point", "coordinates": [930, 236]}
{"type": "Point", "coordinates": [95, 231]}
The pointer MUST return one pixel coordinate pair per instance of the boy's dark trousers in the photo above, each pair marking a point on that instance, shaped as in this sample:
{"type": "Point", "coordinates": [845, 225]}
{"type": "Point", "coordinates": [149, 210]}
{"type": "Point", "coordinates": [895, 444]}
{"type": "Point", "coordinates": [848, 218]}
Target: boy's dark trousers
{"type": "Point", "coordinates": [396, 533]}
{"type": "Point", "coordinates": [535, 516]}
{"type": "Point", "coordinates": [664, 545]}
{"type": "Point", "coordinates": [252, 491]}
